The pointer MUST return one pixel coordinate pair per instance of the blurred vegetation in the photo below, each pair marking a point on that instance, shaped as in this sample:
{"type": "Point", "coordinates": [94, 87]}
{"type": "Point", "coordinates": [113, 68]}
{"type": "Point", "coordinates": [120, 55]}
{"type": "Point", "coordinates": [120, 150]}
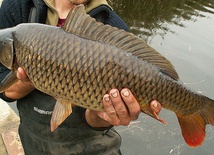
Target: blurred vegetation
{"type": "Point", "coordinates": [146, 17]}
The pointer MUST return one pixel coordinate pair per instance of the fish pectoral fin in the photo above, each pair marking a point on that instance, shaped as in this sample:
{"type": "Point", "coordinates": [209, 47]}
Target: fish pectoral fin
{"type": "Point", "coordinates": [62, 110]}
{"type": "Point", "coordinates": [8, 81]}
{"type": "Point", "coordinates": [152, 113]}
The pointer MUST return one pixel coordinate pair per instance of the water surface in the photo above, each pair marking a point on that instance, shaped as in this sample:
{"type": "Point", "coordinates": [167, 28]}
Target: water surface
{"type": "Point", "coordinates": [183, 32]}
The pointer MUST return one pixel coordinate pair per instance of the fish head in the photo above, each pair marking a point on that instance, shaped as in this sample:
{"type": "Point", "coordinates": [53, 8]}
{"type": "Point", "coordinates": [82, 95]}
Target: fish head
{"type": "Point", "coordinates": [7, 53]}
{"type": "Point", "coordinates": [6, 47]}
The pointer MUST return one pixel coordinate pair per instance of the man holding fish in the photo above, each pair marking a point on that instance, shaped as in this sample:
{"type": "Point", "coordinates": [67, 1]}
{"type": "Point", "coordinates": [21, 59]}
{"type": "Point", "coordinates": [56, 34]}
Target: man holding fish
{"type": "Point", "coordinates": [84, 131]}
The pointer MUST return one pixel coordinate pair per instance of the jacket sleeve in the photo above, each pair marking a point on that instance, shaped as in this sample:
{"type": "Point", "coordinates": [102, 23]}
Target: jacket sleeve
{"type": "Point", "coordinates": [14, 12]}
{"type": "Point", "coordinates": [106, 15]}
{"type": "Point", "coordinates": [114, 20]}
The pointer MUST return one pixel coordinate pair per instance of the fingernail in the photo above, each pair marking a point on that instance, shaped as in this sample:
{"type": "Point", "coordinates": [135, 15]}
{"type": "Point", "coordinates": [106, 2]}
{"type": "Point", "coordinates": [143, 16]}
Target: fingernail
{"type": "Point", "coordinates": [126, 93]}
{"type": "Point", "coordinates": [114, 94]}
{"type": "Point", "coordinates": [106, 98]}
{"type": "Point", "coordinates": [155, 105]}
{"type": "Point", "coordinates": [18, 75]}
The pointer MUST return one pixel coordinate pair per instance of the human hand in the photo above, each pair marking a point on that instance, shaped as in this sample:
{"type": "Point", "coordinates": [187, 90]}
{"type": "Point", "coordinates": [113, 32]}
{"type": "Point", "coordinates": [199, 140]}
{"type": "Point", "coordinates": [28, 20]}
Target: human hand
{"type": "Point", "coordinates": [120, 108]}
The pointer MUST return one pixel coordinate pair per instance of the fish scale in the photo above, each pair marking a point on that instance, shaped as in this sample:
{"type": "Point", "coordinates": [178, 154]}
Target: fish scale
{"type": "Point", "coordinates": [83, 60]}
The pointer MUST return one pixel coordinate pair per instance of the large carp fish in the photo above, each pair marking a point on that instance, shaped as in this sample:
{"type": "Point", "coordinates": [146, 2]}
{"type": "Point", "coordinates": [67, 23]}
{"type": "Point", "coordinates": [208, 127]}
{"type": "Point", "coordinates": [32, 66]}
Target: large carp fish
{"type": "Point", "coordinates": [80, 62]}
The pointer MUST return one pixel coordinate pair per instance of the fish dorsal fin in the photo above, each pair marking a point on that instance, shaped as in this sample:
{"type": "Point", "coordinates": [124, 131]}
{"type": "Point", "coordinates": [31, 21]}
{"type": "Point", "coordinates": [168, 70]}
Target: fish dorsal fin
{"type": "Point", "coordinates": [81, 24]}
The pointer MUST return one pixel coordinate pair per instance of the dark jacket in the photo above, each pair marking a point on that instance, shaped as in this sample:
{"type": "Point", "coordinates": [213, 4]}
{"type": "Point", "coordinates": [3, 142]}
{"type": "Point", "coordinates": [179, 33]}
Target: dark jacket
{"type": "Point", "coordinates": [74, 135]}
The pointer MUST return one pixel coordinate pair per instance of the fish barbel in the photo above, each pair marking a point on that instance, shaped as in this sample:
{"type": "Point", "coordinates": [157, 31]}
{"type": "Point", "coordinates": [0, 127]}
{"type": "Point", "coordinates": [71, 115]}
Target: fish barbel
{"type": "Point", "coordinates": [80, 62]}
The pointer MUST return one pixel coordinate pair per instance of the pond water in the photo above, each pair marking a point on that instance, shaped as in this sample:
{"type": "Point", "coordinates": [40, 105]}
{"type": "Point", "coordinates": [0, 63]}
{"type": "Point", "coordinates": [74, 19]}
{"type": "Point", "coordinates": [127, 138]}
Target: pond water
{"type": "Point", "coordinates": [182, 31]}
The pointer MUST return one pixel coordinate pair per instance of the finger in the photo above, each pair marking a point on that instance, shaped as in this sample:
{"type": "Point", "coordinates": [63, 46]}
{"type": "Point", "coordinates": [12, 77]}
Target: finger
{"type": "Point", "coordinates": [131, 103]}
{"type": "Point", "coordinates": [110, 111]}
{"type": "Point", "coordinates": [21, 74]}
{"type": "Point", "coordinates": [120, 107]}
{"type": "Point", "coordinates": [155, 106]}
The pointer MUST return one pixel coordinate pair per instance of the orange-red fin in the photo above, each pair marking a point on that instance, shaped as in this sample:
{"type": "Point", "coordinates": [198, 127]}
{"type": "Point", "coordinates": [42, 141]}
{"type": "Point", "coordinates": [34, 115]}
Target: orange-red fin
{"type": "Point", "coordinates": [193, 126]}
{"type": "Point", "coordinates": [61, 111]}
{"type": "Point", "coordinates": [193, 129]}
{"type": "Point", "coordinates": [152, 113]}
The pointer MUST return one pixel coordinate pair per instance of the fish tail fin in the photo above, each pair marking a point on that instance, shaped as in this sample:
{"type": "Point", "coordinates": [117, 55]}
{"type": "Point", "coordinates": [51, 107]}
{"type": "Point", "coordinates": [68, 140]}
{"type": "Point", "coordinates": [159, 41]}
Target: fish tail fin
{"type": "Point", "coordinates": [193, 126]}
{"type": "Point", "coordinates": [61, 111]}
